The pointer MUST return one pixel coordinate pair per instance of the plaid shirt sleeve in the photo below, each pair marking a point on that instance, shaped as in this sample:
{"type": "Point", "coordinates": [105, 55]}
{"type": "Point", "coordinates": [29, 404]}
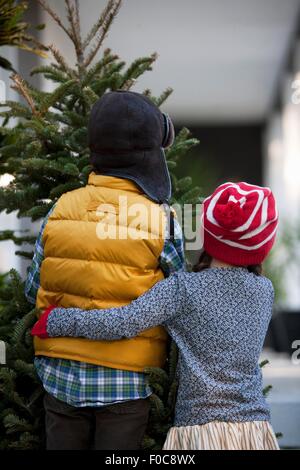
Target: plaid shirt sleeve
{"type": "Point", "coordinates": [172, 256]}
{"type": "Point", "coordinates": [32, 283]}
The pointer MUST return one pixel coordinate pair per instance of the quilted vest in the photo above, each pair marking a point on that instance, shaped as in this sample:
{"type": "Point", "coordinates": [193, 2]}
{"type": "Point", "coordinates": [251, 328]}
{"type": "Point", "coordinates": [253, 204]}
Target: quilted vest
{"type": "Point", "coordinates": [101, 249]}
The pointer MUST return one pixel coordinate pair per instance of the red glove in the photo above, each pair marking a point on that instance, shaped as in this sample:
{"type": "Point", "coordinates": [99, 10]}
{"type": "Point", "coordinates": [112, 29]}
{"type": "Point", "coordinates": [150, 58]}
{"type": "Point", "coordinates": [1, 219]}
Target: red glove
{"type": "Point", "coordinates": [40, 328]}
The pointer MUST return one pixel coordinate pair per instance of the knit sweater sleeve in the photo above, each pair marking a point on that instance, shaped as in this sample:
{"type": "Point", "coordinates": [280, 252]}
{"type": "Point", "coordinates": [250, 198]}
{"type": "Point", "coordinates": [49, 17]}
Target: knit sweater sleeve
{"type": "Point", "coordinates": [158, 306]}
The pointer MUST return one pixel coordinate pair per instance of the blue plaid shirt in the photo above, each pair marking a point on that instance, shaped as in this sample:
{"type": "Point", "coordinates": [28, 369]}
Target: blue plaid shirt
{"type": "Point", "coordinates": [80, 384]}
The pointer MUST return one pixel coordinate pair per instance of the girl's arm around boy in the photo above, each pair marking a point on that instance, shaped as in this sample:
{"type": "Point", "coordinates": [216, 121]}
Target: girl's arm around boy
{"type": "Point", "coordinates": [156, 307]}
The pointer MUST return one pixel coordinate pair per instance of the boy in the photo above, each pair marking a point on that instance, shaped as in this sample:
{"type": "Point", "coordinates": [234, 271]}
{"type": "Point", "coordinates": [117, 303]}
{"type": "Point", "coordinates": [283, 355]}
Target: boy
{"type": "Point", "coordinates": [96, 392]}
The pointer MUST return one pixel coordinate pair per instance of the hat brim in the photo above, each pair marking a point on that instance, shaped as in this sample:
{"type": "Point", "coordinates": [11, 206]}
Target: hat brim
{"type": "Point", "coordinates": [147, 168]}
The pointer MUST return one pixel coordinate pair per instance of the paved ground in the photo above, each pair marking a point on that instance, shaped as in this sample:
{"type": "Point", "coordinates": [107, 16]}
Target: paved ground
{"type": "Point", "coordinates": [284, 398]}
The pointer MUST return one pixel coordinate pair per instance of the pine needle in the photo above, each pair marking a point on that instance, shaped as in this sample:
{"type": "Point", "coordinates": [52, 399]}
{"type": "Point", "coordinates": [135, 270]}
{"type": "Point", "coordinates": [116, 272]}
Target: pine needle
{"type": "Point", "coordinates": [73, 17]}
{"type": "Point", "coordinates": [98, 24]}
{"type": "Point", "coordinates": [21, 88]}
{"type": "Point", "coordinates": [107, 21]}
{"type": "Point", "coordinates": [55, 17]}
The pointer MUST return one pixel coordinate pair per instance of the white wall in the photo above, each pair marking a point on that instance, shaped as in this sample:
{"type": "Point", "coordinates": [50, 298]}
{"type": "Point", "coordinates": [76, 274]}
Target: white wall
{"type": "Point", "coordinates": [222, 58]}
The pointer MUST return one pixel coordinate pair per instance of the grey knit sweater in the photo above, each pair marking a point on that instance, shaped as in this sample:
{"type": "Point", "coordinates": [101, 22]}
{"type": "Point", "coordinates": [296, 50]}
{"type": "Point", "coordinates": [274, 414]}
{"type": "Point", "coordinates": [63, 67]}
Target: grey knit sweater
{"type": "Point", "coordinates": [218, 318]}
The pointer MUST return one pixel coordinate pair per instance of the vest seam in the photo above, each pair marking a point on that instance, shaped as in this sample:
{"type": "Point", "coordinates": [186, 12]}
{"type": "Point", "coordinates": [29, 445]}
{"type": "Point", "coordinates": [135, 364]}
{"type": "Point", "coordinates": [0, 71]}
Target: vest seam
{"type": "Point", "coordinates": [96, 222]}
{"type": "Point", "coordinates": [105, 262]}
{"type": "Point", "coordinates": [90, 299]}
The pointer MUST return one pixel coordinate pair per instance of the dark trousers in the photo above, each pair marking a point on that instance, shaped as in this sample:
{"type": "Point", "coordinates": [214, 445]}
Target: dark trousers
{"type": "Point", "coordinates": [114, 427]}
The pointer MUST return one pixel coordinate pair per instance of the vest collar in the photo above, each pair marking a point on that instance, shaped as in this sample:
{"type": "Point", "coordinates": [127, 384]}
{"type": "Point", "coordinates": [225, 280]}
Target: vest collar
{"type": "Point", "coordinates": [113, 182]}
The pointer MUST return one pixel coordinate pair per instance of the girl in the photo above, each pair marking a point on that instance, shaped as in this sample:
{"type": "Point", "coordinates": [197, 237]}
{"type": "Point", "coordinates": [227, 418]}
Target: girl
{"type": "Point", "coordinates": [217, 315]}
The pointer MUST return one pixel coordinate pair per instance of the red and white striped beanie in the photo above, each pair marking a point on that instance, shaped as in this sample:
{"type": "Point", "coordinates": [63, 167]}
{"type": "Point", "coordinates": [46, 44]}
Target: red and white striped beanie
{"type": "Point", "coordinates": [240, 222]}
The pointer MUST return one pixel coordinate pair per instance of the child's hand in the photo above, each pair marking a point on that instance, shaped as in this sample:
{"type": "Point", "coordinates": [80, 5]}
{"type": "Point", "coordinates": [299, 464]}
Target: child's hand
{"type": "Point", "coordinates": [40, 328]}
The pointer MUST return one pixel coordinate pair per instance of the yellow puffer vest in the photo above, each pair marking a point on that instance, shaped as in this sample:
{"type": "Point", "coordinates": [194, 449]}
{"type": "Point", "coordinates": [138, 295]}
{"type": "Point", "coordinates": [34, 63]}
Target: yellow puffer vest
{"type": "Point", "coordinates": [84, 269]}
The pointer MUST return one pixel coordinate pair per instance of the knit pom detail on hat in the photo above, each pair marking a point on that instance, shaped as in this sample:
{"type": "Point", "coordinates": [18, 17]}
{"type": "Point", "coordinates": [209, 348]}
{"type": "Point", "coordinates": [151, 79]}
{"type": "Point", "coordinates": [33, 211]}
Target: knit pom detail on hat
{"type": "Point", "coordinates": [229, 215]}
{"type": "Point", "coordinates": [240, 222]}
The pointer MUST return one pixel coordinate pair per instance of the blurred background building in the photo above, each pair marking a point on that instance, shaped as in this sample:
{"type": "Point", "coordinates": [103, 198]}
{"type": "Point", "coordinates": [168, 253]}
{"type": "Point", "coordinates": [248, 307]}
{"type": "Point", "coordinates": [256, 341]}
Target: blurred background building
{"type": "Point", "coordinates": [235, 70]}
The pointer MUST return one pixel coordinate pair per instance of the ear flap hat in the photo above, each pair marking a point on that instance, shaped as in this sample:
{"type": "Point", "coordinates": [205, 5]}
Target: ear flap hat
{"type": "Point", "coordinates": [127, 137]}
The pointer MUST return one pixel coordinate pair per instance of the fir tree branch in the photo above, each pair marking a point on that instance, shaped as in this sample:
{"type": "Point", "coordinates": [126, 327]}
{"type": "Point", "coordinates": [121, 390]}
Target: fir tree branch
{"type": "Point", "coordinates": [13, 424]}
{"type": "Point", "coordinates": [21, 88]}
{"type": "Point", "coordinates": [95, 71]}
{"type": "Point", "coordinates": [16, 110]}
{"type": "Point", "coordinates": [164, 96]}
{"type": "Point", "coordinates": [24, 254]}
{"type": "Point", "coordinates": [77, 22]}
{"type": "Point", "coordinates": [128, 84]}
{"type": "Point", "coordinates": [14, 30]}
{"type": "Point", "coordinates": [74, 21]}
{"type": "Point", "coordinates": [56, 95]}
{"type": "Point", "coordinates": [107, 21]}
{"type": "Point", "coordinates": [98, 24]}
{"type": "Point", "coordinates": [10, 235]}
{"type": "Point", "coordinates": [61, 61]}
{"type": "Point", "coordinates": [77, 15]}
{"type": "Point", "coordinates": [55, 17]}
{"type": "Point", "coordinates": [137, 68]}
{"type": "Point", "coordinates": [42, 48]}
{"type": "Point", "coordinates": [51, 73]}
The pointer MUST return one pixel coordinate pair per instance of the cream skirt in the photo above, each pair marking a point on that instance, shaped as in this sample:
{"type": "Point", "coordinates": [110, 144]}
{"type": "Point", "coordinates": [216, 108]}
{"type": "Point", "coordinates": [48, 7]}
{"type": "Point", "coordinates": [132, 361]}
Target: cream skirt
{"type": "Point", "coordinates": [217, 435]}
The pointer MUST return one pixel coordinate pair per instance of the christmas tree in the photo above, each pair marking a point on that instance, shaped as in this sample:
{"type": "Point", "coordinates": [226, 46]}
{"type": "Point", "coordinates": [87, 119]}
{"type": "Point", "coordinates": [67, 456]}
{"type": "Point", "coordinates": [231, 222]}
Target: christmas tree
{"type": "Point", "coordinates": [47, 154]}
